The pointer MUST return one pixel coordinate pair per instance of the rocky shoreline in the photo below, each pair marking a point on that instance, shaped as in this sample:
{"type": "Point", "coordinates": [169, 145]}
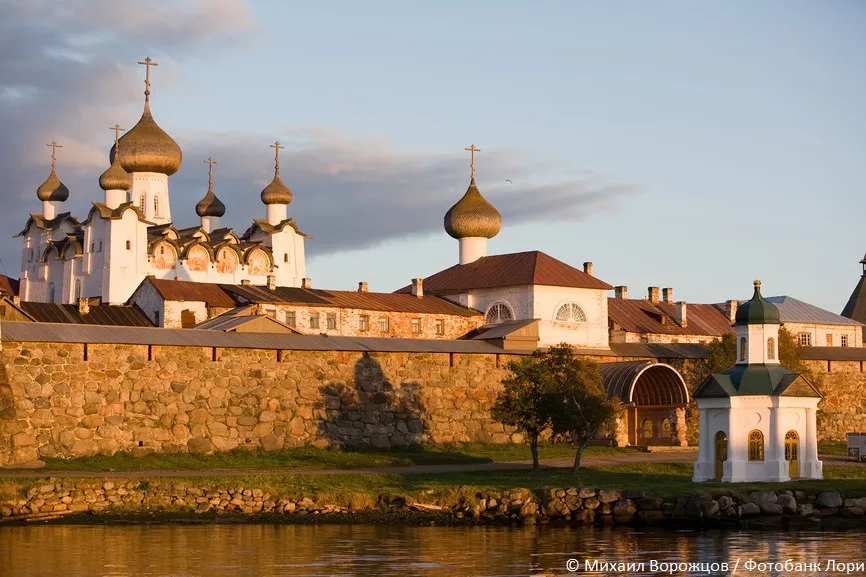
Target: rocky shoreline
{"type": "Point", "coordinates": [146, 501]}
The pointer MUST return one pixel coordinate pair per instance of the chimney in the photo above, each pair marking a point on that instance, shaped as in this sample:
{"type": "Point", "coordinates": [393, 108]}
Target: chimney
{"type": "Point", "coordinates": [731, 310]}
{"type": "Point", "coordinates": [587, 268]}
{"type": "Point", "coordinates": [668, 295]}
{"type": "Point", "coordinates": [16, 300]}
{"type": "Point", "coordinates": [418, 287]}
{"type": "Point", "coordinates": [362, 286]}
{"type": "Point", "coordinates": [681, 314]}
{"type": "Point", "coordinates": [653, 294]}
{"type": "Point", "coordinates": [621, 292]}
{"type": "Point", "coordinates": [83, 306]}
{"type": "Point", "coordinates": [306, 283]}
{"type": "Point", "coordinates": [272, 282]}
{"type": "Point", "coordinates": [245, 282]}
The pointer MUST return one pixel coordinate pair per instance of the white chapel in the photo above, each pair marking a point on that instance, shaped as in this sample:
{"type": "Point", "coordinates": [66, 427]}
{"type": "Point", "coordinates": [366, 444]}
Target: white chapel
{"type": "Point", "coordinates": [128, 235]}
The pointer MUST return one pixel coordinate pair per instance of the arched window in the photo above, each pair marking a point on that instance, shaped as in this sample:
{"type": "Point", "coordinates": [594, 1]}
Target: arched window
{"type": "Point", "coordinates": [77, 290]}
{"type": "Point", "coordinates": [51, 292]}
{"type": "Point", "coordinates": [570, 313]}
{"type": "Point", "coordinates": [646, 429]}
{"type": "Point", "coordinates": [155, 206]}
{"type": "Point", "coordinates": [665, 429]}
{"type": "Point", "coordinates": [743, 348]}
{"type": "Point", "coordinates": [771, 349]}
{"type": "Point", "coordinates": [756, 446]}
{"type": "Point", "coordinates": [498, 313]}
{"type": "Point", "coordinates": [141, 202]}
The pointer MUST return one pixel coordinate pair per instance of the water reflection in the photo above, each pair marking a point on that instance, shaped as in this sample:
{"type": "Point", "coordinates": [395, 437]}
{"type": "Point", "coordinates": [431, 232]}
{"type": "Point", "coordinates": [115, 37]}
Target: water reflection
{"type": "Point", "coordinates": [268, 550]}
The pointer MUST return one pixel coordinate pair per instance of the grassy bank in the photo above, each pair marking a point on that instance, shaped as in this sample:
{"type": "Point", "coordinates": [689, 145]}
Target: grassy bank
{"type": "Point", "coordinates": [311, 458]}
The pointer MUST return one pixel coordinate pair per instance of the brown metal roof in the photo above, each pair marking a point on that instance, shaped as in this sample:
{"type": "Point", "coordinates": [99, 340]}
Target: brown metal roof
{"type": "Point", "coordinates": [8, 286]}
{"type": "Point", "coordinates": [642, 316]}
{"type": "Point", "coordinates": [519, 268]}
{"type": "Point", "coordinates": [49, 332]}
{"type": "Point", "coordinates": [370, 301]}
{"type": "Point", "coordinates": [660, 350]}
{"type": "Point", "coordinates": [106, 315]}
{"type": "Point", "coordinates": [180, 290]}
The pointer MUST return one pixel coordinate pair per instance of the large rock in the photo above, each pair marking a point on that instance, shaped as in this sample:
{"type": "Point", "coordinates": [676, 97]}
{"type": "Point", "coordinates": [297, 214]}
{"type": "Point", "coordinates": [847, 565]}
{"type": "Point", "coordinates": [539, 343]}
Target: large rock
{"type": "Point", "coordinates": [650, 504]}
{"type": "Point", "coordinates": [771, 509]}
{"type": "Point", "coordinates": [199, 445]}
{"type": "Point", "coordinates": [788, 504]}
{"type": "Point", "coordinates": [828, 499]}
{"type": "Point", "coordinates": [859, 503]}
{"type": "Point", "coordinates": [749, 510]}
{"type": "Point", "coordinates": [586, 493]}
{"type": "Point", "coordinates": [624, 511]}
{"type": "Point", "coordinates": [608, 495]}
{"type": "Point", "coordinates": [761, 497]}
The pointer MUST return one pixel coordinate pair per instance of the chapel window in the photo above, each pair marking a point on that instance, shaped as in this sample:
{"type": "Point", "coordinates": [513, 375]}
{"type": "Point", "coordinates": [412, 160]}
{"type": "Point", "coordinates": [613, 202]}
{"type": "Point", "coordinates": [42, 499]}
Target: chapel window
{"type": "Point", "coordinates": [829, 339]}
{"type": "Point", "coordinates": [155, 206]}
{"type": "Point", "coordinates": [743, 348]}
{"type": "Point", "coordinates": [129, 245]}
{"type": "Point", "coordinates": [771, 348]}
{"type": "Point", "coordinates": [498, 313]}
{"type": "Point", "coordinates": [570, 313]}
{"type": "Point", "coordinates": [51, 293]}
{"type": "Point", "coordinates": [756, 446]}
{"type": "Point", "coordinates": [99, 247]}
{"type": "Point", "coordinates": [141, 202]}
{"type": "Point", "coordinates": [805, 339]}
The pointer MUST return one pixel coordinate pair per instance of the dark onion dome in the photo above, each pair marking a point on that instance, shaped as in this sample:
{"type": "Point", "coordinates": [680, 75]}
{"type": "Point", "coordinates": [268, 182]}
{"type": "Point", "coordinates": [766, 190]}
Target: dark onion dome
{"type": "Point", "coordinates": [210, 205]}
{"type": "Point", "coordinates": [473, 216]}
{"type": "Point", "coordinates": [115, 178]}
{"type": "Point", "coordinates": [276, 192]}
{"type": "Point", "coordinates": [758, 311]}
{"type": "Point", "coordinates": [52, 189]}
{"type": "Point", "coordinates": [148, 148]}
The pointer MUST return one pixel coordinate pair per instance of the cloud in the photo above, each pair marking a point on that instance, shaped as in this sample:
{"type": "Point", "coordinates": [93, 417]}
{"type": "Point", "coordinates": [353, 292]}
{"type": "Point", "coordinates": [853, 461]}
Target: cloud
{"type": "Point", "coordinates": [66, 68]}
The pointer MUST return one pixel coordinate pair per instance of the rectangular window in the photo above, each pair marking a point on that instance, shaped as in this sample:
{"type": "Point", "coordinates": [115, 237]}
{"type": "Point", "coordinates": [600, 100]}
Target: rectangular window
{"type": "Point", "coordinates": [844, 339]}
{"type": "Point", "coordinates": [290, 319]}
{"type": "Point", "coordinates": [314, 320]}
{"type": "Point", "coordinates": [440, 327]}
{"type": "Point", "coordinates": [805, 339]}
{"type": "Point", "coordinates": [332, 321]}
{"type": "Point", "coordinates": [416, 326]}
{"type": "Point", "coordinates": [364, 323]}
{"type": "Point", "coordinates": [383, 324]}
{"type": "Point", "coordinates": [830, 340]}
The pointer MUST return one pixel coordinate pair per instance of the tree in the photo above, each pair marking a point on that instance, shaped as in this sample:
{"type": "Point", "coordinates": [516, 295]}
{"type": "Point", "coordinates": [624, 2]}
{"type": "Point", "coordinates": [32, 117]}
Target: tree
{"type": "Point", "coordinates": [582, 408]}
{"type": "Point", "coordinates": [722, 354]}
{"type": "Point", "coordinates": [525, 401]}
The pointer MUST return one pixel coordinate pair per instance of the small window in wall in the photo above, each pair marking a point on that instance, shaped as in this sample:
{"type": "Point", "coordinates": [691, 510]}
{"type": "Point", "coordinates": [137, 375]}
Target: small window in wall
{"type": "Point", "coordinates": [290, 319]}
{"type": "Point", "coordinates": [805, 339]}
{"type": "Point", "coordinates": [129, 245]}
{"type": "Point", "coordinates": [742, 348]}
{"type": "Point", "coordinates": [51, 294]}
{"type": "Point", "coordinates": [155, 206]}
{"type": "Point", "coordinates": [364, 323]}
{"type": "Point", "coordinates": [498, 313]}
{"type": "Point", "coordinates": [141, 202]}
{"type": "Point", "coordinates": [570, 313]}
{"type": "Point", "coordinates": [286, 257]}
{"type": "Point", "coordinates": [31, 255]}
{"type": "Point", "coordinates": [383, 324]}
{"type": "Point", "coordinates": [646, 428]}
{"type": "Point", "coordinates": [99, 247]}
{"type": "Point", "coordinates": [771, 348]}
{"type": "Point", "coordinates": [91, 246]}
{"type": "Point", "coordinates": [77, 291]}
{"type": "Point", "coordinates": [187, 318]}
{"type": "Point", "coordinates": [314, 320]}
{"type": "Point", "coordinates": [843, 340]}
{"type": "Point", "coordinates": [829, 339]}
{"type": "Point", "coordinates": [331, 321]}
{"type": "Point", "coordinates": [756, 446]}
{"type": "Point", "coordinates": [440, 327]}
{"type": "Point", "coordinates": [416, 326]}
{"type": "Point", "coordinates": [665, 429]}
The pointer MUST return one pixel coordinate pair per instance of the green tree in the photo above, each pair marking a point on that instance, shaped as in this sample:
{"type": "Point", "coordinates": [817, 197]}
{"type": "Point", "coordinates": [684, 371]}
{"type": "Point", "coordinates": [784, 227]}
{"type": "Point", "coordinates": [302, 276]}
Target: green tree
{"type": "Point", "coordinates": [722, 354]}
{"type": "Point", "coordinates": [581, 408]}
{"type": "Point", "coordinates": [525, 401]}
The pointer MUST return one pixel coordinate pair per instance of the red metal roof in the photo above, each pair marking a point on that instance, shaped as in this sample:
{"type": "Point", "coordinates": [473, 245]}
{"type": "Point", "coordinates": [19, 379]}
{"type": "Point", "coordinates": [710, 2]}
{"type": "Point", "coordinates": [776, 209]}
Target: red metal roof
{"type": "Point", "coordinates": [181, 290]}
{"type": "Point", "coordinates": [642, 316]}
{"type": "Point", "coordinates": [8, 286]}
{"type": "Point", "coordinates": [519, 268]}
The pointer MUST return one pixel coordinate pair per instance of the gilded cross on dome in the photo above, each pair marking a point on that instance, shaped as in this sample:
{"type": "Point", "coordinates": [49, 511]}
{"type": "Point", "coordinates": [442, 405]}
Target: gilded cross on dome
{"type": "Point", "coordinates": [277, 146]}
{"type": "Point", "coordinates": [147, 63]}
{"type": "Point", "coordinates": [54, 146]}
{"type": "Point", "coordinates": [117, 130]}
{"type": "Point", "coordinates": [473, 150]}
{"type": "Point", "coordinates": [211, 162]}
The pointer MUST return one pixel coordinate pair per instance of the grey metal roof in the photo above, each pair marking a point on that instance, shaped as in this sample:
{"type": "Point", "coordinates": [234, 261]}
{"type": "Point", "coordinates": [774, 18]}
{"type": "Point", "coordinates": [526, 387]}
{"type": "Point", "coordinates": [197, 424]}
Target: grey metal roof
{"type": "Point", "coordinates": [52, 332]}
{"type": "Point", "coordinates": [793, 310]}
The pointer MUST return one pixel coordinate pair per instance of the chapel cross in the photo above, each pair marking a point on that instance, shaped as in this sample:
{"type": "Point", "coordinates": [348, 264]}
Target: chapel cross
{"type": "Point", "coordinates": [473, 150]}
{"type": "Point", "coordinates": [54, 146]}
{"type": "Point", "coordinates": [117, 130]}
{"type": "Point", "coordinates": [277, 146]}
{"type": "Point", "coordinates": [147, 63]}
{"type": "Point", "coordinates": [211, 162]}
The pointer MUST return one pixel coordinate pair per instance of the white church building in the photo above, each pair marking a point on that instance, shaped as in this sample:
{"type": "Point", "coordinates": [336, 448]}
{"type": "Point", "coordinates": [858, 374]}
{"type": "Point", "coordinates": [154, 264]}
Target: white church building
{"type": "Point", "coordinates": [757, 419]}
{"type": "Point", "coordinates": [128, 235]}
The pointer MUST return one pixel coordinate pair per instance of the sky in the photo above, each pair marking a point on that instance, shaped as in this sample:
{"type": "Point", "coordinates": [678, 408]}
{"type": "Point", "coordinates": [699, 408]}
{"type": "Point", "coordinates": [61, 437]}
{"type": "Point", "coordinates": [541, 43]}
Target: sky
{"type": "Point", "coordinates": [693, 145]}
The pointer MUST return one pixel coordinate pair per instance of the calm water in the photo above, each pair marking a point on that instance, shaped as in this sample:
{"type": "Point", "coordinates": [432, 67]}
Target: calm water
{"type": "Point", "coordinates": [265, 550]}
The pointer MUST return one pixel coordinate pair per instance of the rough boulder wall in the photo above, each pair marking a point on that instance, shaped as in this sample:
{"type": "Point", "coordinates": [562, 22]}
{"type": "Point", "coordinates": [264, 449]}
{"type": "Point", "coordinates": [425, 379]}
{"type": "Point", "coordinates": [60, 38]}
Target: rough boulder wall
{"type": "Point", "coordinates": [7, 414]}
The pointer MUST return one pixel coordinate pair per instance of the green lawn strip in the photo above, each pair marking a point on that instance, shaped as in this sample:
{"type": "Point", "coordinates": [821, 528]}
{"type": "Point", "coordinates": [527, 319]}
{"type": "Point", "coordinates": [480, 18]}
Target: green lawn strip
{"type": "Point", "coordinates": [311, 458]}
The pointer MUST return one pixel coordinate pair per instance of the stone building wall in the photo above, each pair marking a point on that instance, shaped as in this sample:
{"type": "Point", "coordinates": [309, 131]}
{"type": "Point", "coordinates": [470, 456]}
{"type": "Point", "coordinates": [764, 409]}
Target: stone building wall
{"type": "Point", "coordinates": [169, 399]}
{"type": "Point", "coordinates": [843, 408]}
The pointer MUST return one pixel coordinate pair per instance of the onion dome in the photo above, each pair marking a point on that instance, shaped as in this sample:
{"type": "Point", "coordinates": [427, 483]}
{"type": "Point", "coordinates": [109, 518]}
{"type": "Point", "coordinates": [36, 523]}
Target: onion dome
{"type": "Point", "coordinates": [210, 205]}
{"type": "Point", "coordinates": [148, 148]}
{"type": "Point", "coordinates": [115, 178]}
{"type": "Point", "coordinates": [473, 216]}
{"type": "Point", "coordinates": [758, 311]}
{"type": "Point", "coordinates": [277, 192]}
{"type": "Point", "coordinates": [52, 189]}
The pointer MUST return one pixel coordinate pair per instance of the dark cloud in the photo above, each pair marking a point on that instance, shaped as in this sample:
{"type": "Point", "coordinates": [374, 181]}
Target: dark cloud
{"type": "Point", "coordinates": [66, 68]}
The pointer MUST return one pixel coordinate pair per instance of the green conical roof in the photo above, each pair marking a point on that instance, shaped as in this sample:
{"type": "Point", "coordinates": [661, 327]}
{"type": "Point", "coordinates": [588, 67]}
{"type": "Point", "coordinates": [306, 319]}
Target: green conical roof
{"type": "Point", "coordinates": [758, 311]}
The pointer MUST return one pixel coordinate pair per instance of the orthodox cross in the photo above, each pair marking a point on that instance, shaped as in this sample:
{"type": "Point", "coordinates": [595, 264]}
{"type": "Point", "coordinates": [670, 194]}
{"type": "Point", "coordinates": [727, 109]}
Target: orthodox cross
{"type": "Point", "coordinates": [117, 130]}
{"type": "Point", "coordinates": [147, 63]}
{"type": "Point", "coordinates": [54, 146]}
{"type": "Point", "coordinates": [277, 146]}
{"type": "Point", "coordinates": [211, 162]}
{"type": "Point", "coordinates": [473, 150]}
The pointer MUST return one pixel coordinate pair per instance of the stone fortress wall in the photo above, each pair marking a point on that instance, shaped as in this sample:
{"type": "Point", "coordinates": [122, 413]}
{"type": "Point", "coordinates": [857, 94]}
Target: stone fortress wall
{"type": "Point", "coordinates": [68, 399]}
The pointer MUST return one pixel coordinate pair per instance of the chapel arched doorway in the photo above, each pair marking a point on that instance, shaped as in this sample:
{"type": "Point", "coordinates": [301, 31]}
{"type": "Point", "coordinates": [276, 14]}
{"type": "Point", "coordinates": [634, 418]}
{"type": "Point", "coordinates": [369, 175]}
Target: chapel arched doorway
{"type": "Point", "coordinates": [792, 453]}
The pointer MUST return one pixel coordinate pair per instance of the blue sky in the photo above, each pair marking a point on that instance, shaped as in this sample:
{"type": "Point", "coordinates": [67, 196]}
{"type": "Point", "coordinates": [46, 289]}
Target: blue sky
{"type": "Point", "coordinates": [688, 144]}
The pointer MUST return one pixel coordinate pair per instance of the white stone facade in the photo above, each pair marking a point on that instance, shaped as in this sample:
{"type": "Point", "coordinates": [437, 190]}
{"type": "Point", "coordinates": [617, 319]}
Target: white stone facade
{"type": "Point", "coordinates": [826, 335]}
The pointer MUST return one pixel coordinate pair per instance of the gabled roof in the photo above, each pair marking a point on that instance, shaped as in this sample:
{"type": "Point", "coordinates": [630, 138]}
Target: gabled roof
{"type": "Point", "coordinates": [793, 310]}
{"type": "Point", "coordinates": [268, 228]}
{"type": "Point", "coordinates": [8, 286]}
{"type": "Point", "coordinates": [855, 308]}
{"type": "Point", "coordinates": [644, 317]}
{"type": "Point", "coordinates": [371, 301]}
{"type": "Point", "coordinates": [187, 291]}
{"type": "Point", "coordinates": [514, 269]}
{"type": "Point", "coordinates": [115, 213]}
{"type": "Point", "coordinates": [48, 224]}
{"type": "Point", "coordinates": [105, 315]}
{"type": "Point", "coordinates": [228, 322]}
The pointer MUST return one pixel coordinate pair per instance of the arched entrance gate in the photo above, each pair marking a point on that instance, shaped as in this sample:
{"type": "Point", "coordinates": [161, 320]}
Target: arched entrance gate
{"type": "Point", "coordinates": [654, 396]}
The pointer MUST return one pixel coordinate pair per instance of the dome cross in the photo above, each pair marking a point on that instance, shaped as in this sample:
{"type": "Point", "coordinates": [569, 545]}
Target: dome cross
{"type": "Point", "coordinates": [472, 150]}
{"type": "Point", "coordinates": [147, 64]}
{"type": "Point", "coordinates": [277, 146]}
{"type": "Point", "coordinates": [117, 130]}
{"type": "Point", "coordinates": [54, 146]}
{"type": "Point", "coordinates": [210, 161]}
